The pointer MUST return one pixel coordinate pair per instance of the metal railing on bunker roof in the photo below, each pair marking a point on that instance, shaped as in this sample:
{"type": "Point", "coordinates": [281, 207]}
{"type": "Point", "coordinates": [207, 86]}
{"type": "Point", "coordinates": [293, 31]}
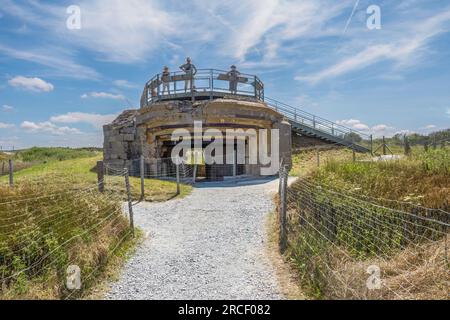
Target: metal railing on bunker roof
{"type": "Point", "coordinates": [213, 83]}
{"type": "Point", "coordinates": [205, 84]}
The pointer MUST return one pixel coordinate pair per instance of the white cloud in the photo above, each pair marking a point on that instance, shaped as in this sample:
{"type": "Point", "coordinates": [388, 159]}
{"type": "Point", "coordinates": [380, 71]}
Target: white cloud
{"type": "Point", "coordinates": [402, 49]}
{"type": "Point", "coordinates": [353, 124]}
{"type": "Point", "coordinates": [125, 84]}
{"type": "Point", "coordinates": [103, 95]}
{"type": "Point", "coordinates": [377, 130]}
{"type": "Point", "coordinates": [48, 127]}
{"type": "Point", "coordinates": [96, 120]}
{"type": "Point", "coordinates": [7, 108]}
{"type": "Point", "coordinates": [32, 84]}
{"type": "Point", "coordinates": [6, 125]}
{"type": "Point", "coordinates": [119, 30]}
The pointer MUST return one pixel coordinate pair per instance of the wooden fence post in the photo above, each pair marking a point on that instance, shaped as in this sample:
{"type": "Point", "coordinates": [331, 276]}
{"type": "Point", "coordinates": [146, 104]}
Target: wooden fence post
{"type": "Point", "coordinates": [283, 209]}
{"type": "Point", "coordinates": [130, 203]}
{"type": "Point", "coordinates": [354, 155]}
{"type": "Point", "coordinates": [3, 167]}
{"type": "Point", "coordinates": [11, 173]}
{"type": "Point", "coordinates": [178, 178]}
{"type": "Point", "coordinates": [384, 146]}
{"type": "Point", "coordinates": [100, 176]}
{"type": "Point", "coordinates": [142, 171]}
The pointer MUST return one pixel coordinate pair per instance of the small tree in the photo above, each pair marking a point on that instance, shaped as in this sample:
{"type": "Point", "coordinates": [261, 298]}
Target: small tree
{"type": "Point", "coordinates": [353, 136]}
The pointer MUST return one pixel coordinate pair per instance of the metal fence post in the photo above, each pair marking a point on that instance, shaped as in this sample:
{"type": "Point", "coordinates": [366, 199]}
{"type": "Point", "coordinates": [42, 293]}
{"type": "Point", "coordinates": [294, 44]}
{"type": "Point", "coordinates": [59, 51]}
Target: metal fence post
{"type": "Point", "coordinates": [234, 164]}
{"type": "Point", "coordinates": [371, 145]}
{"type": "Point", "coordinates": [142, 171]}
{"type": "Point", "coordinates": [178, 179]}
{"type": "Point", "coordinates": [212, 85]}
{"type": "Point", "coordinates": [100, 176]}
{"type": "Point", "coordinates": [283, 209]}
{"type": "Point", "coordinates": [130, 204]}
{"type": "Point", "coordinates": [11, 173]}
{"type": "Point", "coordinates": [318, 157]}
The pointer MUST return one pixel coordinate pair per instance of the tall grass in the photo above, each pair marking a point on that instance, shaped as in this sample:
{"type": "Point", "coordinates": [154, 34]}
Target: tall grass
{"type": "Point", "coordinates": [42, 234]}
{"type": "Point", "coordinates": [345, 216]}
{"type": "Point", "coordinates": [55, 216]}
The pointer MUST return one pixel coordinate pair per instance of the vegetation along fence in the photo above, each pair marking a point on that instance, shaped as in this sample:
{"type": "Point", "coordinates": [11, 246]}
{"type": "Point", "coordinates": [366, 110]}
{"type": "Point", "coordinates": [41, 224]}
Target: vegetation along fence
{"type": "Point", "coordinates": [56, 236]}
{"type": "Point", "coordinates": [345, 246]}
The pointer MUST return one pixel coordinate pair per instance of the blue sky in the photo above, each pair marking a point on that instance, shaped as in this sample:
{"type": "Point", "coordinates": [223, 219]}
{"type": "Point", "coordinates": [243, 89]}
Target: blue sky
{"type": "Point", "coordinates": [58, 86]}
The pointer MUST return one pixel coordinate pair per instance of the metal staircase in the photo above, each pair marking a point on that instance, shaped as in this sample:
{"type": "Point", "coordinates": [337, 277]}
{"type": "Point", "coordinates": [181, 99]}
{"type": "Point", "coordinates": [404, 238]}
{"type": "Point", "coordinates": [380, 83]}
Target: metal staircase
{"type": "Point", "coordinates": [310, 125]}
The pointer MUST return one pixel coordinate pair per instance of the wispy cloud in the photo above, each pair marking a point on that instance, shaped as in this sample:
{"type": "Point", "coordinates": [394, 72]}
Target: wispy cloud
{"type": "Point", "coordinates": [96, 120]}
{"type": "Point", "coordinates": [59, 61]}
{"type": "Point", "coordinates": [400, 50]}
{"type": "Point", "coordinates": [126, 84]}
{"type": "Point", "coordinates": [103, 95]}
{"type": "Point", "coordinates": [48, 127]}
{"type": "Point", "coordinates": [7, 108]}
{"type": "Point", "coordinates": [6, 125]}
{"type": "Point", "coordinates": [31, 84]}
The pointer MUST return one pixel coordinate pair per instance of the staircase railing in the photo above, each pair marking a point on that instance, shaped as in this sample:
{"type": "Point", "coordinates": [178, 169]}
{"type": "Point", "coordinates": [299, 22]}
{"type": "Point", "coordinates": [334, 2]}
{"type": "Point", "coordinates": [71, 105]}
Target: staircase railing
{"type": "Point", "coordinates": [319, 124]}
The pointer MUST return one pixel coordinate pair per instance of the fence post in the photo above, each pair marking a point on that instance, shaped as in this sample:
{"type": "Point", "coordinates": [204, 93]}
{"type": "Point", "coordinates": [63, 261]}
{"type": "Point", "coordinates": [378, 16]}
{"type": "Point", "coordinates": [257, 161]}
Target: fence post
{"type": "Point", "coordinates": [283, 209]}
{"type": "Point", "coordinates": [178, 179]}
{"type": "Point", "coordinates": [130, 204]}
{"type": "Point", "coordinates": [354, 155]}
{"type": "Point", "coordinates": [234, 164]}
{"type": "Point", "coordinates": [371, 145]}
{"type": "Point", "coordinates": [194, 175]}
{"type": "Point", "coordinates": [318, 157]}
{"type": "Point", "coordinates": [11, 173]}
{"type": "Point", "coordinates": [3, 167]}
{"type": "Point", "coordinates": [384, 146]}
{"type": "Point", "coordinates": [142, 171]}
{"type": "Point", "coordinates": [100, 176]}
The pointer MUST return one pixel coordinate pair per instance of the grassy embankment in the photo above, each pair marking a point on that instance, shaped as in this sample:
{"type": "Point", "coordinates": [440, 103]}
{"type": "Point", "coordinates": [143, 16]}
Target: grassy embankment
{"type": "Point", "coordinates": [411, 257]}
{"type": "Point", "coordinates": [55, 217]}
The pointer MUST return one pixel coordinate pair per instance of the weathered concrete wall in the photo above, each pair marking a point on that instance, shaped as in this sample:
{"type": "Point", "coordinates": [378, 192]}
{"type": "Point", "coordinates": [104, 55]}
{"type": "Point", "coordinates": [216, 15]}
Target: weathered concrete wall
{"type": "Point", "coordinates": [145, 131]}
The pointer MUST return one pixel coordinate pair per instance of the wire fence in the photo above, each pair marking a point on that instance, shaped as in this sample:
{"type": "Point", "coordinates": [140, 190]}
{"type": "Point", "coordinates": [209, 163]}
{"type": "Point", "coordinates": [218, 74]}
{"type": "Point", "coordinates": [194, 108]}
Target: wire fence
{"type": "Point", "coordinates": [55, 240]}
{"type": "Point", "coordinates": [347, 246]}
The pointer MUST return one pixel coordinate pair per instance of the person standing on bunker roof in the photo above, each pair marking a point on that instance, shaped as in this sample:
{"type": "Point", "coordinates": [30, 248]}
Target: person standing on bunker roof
{"type": "Point", "coordinates": [165, 78]}
{"type": "Point", "coordinates": [190, 71]}
{"type": "Point", "coordinates": [233, 76]}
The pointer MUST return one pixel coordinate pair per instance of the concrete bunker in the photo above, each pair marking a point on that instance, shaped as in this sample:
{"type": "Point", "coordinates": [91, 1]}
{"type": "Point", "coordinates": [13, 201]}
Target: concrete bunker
{"type": "Point", "coordinates": [148, 130]}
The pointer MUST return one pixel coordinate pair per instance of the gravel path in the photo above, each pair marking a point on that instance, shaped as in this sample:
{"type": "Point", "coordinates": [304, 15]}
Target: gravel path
{"type": "Point", "coordinates": [209, 245]}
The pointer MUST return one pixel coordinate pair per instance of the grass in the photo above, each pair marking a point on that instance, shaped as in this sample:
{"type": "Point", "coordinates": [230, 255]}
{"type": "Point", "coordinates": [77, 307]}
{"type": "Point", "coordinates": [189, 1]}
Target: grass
{"type": "Point", "coordinates": [40, 238]}
{"type": "Point", "coordinates": [81, 172]}
{"type": "Point", "coordinates": [42, 154]}
{"type": "Point", "coordinates": [55, 217]}
{"type": "Point", "coordinates": [410, 256]}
